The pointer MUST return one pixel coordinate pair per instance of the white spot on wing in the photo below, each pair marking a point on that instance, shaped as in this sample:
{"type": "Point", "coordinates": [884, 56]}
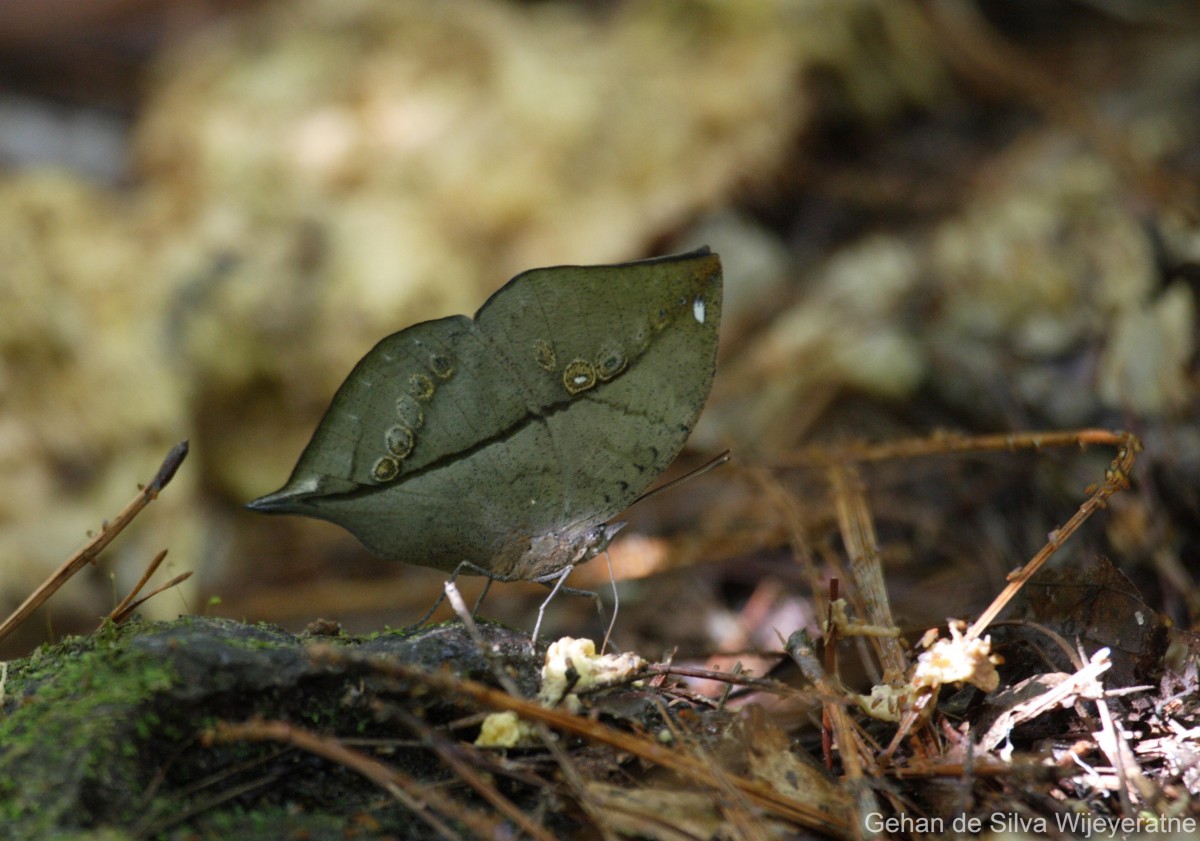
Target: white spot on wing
{"type": "Point", "coordinates": [308, 485]}
{"type": "Point", "coordinates": [698, 309]}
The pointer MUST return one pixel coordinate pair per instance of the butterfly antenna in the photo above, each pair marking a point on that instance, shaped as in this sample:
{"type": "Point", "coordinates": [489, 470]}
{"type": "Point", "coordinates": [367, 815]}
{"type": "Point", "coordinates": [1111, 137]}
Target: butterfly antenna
{"type": "Point", "coordinates": [716, 461]}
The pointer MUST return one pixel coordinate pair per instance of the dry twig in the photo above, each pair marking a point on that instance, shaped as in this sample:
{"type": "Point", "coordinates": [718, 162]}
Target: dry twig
{"type": "Point", "coordinates": [87, 554]}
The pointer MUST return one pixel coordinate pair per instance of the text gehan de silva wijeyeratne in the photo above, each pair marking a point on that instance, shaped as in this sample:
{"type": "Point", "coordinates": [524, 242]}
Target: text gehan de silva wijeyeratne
{"type": "Point", "coordinates": [1078, 825]}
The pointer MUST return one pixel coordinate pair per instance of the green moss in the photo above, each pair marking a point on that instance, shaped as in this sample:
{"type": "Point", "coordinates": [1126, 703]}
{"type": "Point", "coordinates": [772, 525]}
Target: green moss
{"type": "Point", "coordinates": [102, 732]}
{"type": "Point", "coordinates": [68, 708]}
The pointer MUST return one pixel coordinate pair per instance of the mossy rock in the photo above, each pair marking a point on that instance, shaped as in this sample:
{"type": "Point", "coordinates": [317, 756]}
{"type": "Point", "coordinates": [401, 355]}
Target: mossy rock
{"type": "Point", "coordinates": [101, 735]}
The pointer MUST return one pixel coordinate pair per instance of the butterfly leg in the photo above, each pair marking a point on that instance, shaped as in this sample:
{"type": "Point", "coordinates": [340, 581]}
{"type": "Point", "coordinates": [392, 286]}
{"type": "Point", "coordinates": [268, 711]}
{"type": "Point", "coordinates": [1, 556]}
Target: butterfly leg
{"type": "Point", "coordinates": [465, 566]}
{"type": "Point", "coordinates": [558, 578]}
{"type": "Point", "coordinates": [425, 617]}
{"type": "Point", "coordinates": [616, 605]}
{"type": "Point", "coordinates": [487, 585]}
